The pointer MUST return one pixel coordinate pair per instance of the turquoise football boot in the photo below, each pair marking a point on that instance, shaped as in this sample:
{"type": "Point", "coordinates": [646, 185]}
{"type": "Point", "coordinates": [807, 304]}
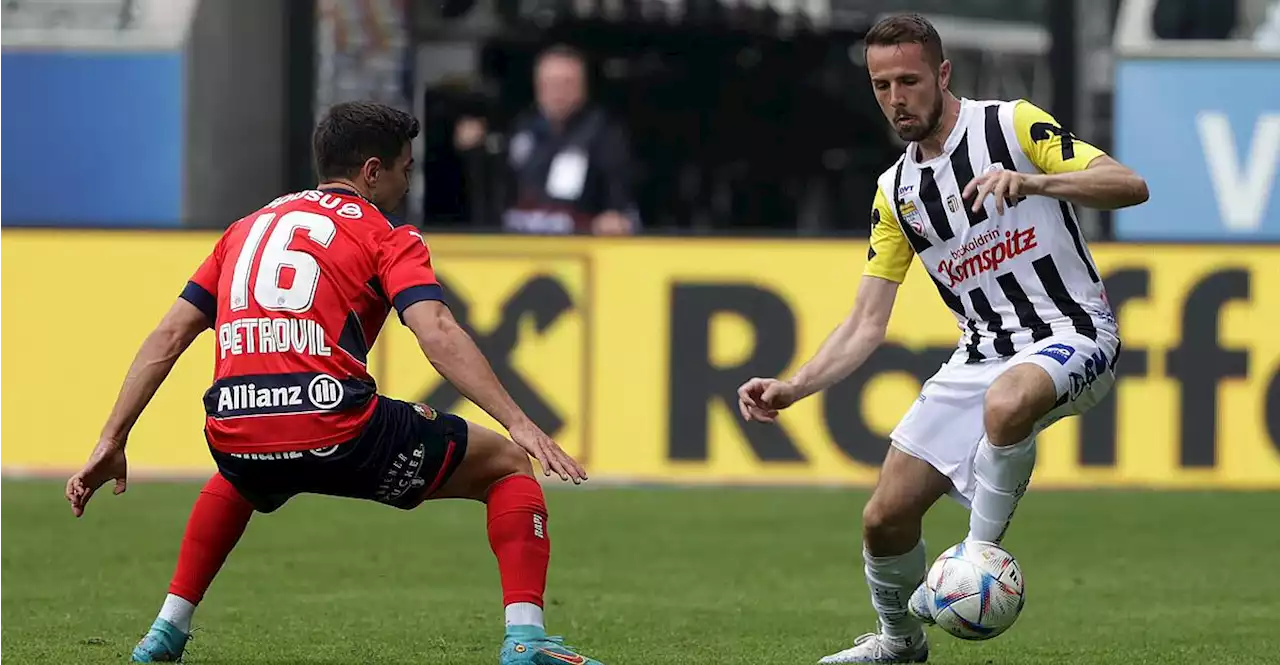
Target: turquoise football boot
{"type": "Point", "coordinates": [530, 645]}
{"type": "Point", "coordinates": [164, 643]}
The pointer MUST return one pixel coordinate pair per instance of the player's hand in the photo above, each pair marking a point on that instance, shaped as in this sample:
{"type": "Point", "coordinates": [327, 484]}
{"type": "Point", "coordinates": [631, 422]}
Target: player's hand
{"type": "Point", "coordinates": [548, 453]}
{"type": "Point", "coordinates": [1004, 185]}
{"type": "Point", "coordinates": [107, 462]}
{"type": "Point", "coordinates": [760, 400]}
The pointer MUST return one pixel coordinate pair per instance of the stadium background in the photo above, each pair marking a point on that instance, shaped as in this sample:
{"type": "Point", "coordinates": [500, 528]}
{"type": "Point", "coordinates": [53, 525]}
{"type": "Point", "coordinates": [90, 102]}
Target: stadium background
{"type": "Point", "coordinates": [135, 129]}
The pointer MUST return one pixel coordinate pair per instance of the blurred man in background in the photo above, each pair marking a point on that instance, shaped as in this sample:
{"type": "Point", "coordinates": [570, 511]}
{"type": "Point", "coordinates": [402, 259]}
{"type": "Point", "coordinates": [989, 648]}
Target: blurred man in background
{"type": "Point", "coordinates": [569, 163]}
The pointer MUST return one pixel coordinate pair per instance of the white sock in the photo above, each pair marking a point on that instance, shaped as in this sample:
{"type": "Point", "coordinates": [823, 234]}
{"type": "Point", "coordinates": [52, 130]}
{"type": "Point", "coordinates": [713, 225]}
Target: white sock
{"type": "Point", "coordinates": [1002, 475]}
{"type": "Point", "coordinates": [177, 611]}
{"type": "Point", "coordinates": [892, 579]}
{"type": "Point", "coordinates": [524, 614]}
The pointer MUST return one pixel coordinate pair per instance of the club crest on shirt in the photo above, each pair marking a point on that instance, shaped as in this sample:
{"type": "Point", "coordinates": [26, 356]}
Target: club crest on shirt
{"type": "Point", "coordinates": [425, 411]}
{"type": "Point", "coordinates": [911, 215]}
{"type": "Point", "coordinates": [953, 203]}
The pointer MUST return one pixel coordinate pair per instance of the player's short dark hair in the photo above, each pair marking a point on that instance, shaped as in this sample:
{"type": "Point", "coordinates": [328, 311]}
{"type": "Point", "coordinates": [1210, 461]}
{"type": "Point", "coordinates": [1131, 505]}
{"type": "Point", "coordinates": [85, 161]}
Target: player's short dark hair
{"type": "Point", "coordinates": [352, 132]}
{"type": "Point", "coordinates": [907, 29]}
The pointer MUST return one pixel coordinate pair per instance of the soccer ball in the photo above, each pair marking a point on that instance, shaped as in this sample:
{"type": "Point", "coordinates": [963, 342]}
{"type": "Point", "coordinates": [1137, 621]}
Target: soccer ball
{"type": "Point", "coordinates": [975, 590]}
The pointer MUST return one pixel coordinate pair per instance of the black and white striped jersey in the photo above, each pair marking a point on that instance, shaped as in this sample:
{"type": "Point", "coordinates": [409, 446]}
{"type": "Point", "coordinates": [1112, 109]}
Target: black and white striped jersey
{"type": "Point", "coordinates": [1011, 279]}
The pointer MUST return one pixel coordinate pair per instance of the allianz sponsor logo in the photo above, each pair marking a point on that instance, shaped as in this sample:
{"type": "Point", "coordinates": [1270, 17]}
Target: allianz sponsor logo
{"type": "Point", "coordinates": [259, 335]}
{"type": "Point", "coordinates": [287, 454]}
{"type": "Point", "coordinates": [323, 392]}
{"type": "Point", "coordinates": [291, 454]}
{"type": "Point", "coordinates": [969, 260]}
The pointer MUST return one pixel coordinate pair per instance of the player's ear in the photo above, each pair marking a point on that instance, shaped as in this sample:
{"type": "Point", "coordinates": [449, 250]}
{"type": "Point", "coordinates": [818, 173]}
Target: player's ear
{"type": "Point", "coordinates": [944, 75]}
{"type": "Point", "coordinates": [371, 170]}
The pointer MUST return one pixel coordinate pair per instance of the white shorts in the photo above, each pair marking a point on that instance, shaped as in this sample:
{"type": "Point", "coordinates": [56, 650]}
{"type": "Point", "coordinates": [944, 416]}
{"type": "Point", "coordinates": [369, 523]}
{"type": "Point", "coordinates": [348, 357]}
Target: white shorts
{"type": "Point", "coordinates": [945, 424]}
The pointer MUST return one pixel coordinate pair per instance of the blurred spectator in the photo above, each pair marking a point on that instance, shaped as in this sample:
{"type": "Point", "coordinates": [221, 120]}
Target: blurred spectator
{"type": "Point", "coordinates": [568, 163]}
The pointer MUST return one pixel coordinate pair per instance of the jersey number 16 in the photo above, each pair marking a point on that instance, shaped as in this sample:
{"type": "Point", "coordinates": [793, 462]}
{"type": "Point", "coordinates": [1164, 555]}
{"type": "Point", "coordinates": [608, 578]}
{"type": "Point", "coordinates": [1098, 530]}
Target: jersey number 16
{"type": "Point", "coordinates": [276, 256]}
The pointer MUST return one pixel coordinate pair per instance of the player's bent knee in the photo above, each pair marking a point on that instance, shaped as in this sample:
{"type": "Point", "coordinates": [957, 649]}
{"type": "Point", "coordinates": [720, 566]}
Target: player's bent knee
{"type": "Point", "coordinates": [512, 460]}
{"type": "Point", "coordinates": [509, 461]}
{"type": "Point", "coordinates": [498, 458]}
{"type": "Point", "coordinates": [874, 519]}
{"type": "Point", "coordinates": [491, 457]}
{"type": "Point", "coordinates": [1010, 410]}
{"type": "Point", "coordinates": [882, 526]}
{"type": "Point", "coordinates": [1002, 410]}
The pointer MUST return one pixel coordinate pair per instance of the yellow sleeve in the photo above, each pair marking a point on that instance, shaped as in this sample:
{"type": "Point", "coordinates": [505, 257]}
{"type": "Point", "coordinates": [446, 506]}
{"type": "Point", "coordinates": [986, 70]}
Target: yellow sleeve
{"type": "Point", "coordinates": [1051, 148]}
{"type": "Point", "coordinates": [890, 253]}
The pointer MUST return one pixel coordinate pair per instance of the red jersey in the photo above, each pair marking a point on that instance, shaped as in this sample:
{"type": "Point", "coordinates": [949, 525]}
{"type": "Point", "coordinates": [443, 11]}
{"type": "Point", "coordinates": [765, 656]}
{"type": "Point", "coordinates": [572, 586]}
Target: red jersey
{"type": "Point", "coordinates": [297, 293]}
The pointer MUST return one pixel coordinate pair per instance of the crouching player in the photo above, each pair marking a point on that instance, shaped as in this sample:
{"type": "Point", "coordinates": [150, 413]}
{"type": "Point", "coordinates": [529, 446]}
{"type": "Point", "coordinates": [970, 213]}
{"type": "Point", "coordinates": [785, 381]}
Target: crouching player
{"type": "Point", "coordinates": [297, 293]}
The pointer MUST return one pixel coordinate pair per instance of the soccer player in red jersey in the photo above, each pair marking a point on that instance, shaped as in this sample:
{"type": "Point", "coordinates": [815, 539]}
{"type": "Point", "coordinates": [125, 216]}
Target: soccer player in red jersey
{"type": "Point", "coordinates": [297, 293]}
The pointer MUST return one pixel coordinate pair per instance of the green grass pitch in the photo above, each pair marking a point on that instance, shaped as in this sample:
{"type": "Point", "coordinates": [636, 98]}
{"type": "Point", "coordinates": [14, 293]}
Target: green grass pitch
{"type": "Point", "coordinates": [639, 576]}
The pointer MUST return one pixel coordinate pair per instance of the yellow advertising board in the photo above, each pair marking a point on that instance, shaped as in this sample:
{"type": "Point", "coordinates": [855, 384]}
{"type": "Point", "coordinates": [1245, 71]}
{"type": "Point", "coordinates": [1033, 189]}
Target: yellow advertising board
{"type": "Point", "coordinates": [74, 309]}
{"type": "Point", "coordinates": [629, 351]}
{"type": "Point", "coordinates": [1197, 403]}
{"type": "Point", "coordinates": [529, 316]}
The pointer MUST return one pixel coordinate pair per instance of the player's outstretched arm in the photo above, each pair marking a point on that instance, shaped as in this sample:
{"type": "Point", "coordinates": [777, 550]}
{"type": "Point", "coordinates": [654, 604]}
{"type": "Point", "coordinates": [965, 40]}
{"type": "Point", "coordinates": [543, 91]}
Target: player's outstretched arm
{"type": "Point", "coordinates": [155, 359]}
{"type": "Point", "coordinates": [852, 342]}
{"type": "Point", "coordinates": [844, 351]}
{"type": "Point", "coordinates": [455, 356]}
{"type": "Point", "coordinates": [181, 325]}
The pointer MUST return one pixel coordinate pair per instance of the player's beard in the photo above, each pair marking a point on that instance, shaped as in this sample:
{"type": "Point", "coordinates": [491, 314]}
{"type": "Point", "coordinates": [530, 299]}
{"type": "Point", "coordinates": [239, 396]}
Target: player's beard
{"type": "Point", "coordinates": [928, 125]}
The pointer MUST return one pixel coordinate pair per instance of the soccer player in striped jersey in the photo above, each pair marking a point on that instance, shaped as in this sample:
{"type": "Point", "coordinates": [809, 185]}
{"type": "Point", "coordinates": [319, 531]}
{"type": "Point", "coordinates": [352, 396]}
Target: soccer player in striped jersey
{"type": "Point", "coordinates": [983, 195]}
